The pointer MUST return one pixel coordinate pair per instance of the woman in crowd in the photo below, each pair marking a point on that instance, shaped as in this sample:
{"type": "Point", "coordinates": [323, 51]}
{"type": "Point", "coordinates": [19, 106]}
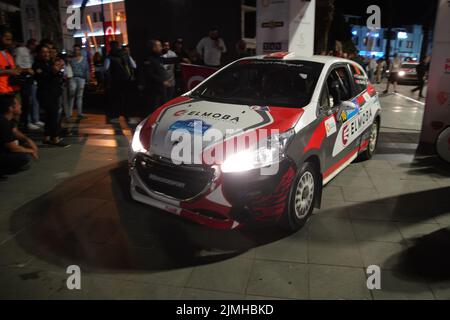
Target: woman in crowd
{"type": "Point", "coordinates": [81, 76]}
{"type": "Point", "coordinates": [394, 68]}
{"type": "Point", "coordinates": [99, 69]}
{"type": "Point", "coordinates": [49, 76]}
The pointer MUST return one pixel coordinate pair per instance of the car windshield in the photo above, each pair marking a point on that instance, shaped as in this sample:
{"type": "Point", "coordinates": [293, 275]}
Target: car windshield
{"type": "Point", "coordinates": [263, 83]}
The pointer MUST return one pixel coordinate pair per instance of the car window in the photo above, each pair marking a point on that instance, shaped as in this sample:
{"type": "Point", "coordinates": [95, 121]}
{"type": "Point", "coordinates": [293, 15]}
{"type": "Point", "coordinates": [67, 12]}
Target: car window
{"type": "Point", "coordinates": [339, 76]}
{"type": "Point", "coordinates": [344, 81]}
{"type": "Point", "coordinates": [359, 79]}
{"type": "Point", "coordinates": [325, 103]}
{"type": "Point", "coordinates": [282, 83]}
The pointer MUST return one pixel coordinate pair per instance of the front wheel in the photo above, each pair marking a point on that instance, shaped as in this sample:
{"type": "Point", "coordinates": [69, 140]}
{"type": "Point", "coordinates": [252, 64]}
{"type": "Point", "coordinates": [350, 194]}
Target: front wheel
{"type": "Point", "coordinates": [302, 198]}
{"type": "Point", "coordinates": [373, 142]}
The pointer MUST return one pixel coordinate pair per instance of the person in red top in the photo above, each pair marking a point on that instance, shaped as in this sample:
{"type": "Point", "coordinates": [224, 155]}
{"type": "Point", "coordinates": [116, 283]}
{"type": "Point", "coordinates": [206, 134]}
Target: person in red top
{"type": "Point", "coordinates": [8, 68]}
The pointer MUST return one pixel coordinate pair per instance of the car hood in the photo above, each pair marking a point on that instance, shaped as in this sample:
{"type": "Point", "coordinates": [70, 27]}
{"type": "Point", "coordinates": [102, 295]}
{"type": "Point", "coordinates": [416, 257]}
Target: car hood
{"type": "Point", "coordinates": [241, 119]}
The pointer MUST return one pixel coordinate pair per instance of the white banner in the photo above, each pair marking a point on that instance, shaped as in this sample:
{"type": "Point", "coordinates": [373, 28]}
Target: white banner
{"type": "Point", "coordinates": [31, 23]}
{"type": "Point", "coordinates": [285, 25]}
{"type": "Point", "coordinates": [437, 109]}
{"type": "Point", "coordinates": [301, 27]}
{"type": "Point", "coordinates": [67, 35]}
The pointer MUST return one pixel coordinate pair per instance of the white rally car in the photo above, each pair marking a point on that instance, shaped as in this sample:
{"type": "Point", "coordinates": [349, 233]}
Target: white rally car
{"type": "Point", "coordinates": [325, 114]}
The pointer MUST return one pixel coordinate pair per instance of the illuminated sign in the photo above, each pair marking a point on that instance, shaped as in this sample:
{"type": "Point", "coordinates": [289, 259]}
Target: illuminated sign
{"type": "Point", "coordinates": [402, 35]}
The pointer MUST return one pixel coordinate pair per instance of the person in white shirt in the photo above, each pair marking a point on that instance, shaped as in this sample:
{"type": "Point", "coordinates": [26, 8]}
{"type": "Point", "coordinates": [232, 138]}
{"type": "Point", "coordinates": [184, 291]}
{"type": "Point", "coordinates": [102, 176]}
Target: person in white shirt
{"type": "Point", "coordinates": [169, 60]}
{"type": "Point", "coordinates": [211, 49]}
{"type": "Point", "coordinates": [24, 59]}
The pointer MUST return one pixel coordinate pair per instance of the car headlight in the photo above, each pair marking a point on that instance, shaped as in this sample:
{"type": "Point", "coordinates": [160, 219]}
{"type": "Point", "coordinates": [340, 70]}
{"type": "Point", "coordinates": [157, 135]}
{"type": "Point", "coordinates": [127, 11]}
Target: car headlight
{"type": "Point", "coordinates": [402, 73]}
{"type": "Point", "coordinates": [270, 151]}
{"type": "Point", "coordinates": [136, 144]}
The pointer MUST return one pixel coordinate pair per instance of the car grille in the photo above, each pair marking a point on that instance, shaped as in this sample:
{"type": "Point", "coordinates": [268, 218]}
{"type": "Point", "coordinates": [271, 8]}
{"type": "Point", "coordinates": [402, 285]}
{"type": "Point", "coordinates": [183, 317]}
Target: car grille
{"type": "Point", "coordinates": [182, 182]}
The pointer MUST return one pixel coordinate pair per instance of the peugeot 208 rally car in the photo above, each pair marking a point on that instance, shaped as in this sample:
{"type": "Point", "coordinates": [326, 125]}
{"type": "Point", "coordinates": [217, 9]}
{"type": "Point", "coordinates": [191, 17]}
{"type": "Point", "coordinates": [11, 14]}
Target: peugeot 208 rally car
{"type": "Point", "coordinates": [302, 120]}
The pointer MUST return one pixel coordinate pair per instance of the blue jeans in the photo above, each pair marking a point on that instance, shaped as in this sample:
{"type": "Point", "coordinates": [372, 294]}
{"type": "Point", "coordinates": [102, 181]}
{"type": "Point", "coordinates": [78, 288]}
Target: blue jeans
{"type": "Point", "coordinates": [76, 92]}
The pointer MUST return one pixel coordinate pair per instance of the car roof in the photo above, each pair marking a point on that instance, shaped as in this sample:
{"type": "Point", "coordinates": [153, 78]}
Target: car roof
{"type": "Point", "coordinates": [287, 56]}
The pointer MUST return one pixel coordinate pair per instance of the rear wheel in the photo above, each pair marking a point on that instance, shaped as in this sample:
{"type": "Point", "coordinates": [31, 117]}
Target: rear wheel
{"type": "Point", "coordinates": [302, 198]}
{"type": "Point", "coordinates": [373, 142]}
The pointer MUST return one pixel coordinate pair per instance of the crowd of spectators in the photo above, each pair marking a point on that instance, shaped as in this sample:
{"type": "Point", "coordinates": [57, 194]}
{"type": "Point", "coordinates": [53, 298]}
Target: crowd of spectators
{"type": "Point", "coordinates": [35, 80]}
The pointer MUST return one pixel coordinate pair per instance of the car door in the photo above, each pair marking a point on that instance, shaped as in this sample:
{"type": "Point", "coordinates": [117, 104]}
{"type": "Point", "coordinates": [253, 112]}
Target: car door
{"type": "Point", "coordinates": [336, 108]}
{"type": "Point", "coordinates": [363, 99]}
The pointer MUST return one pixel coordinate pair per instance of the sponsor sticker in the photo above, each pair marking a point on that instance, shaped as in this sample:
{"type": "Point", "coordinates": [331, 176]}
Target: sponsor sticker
{"type": "Point", "coordinates": [273, 24]}
{"type": "Point", "coordinates": [207, 115]}
{"type": "Point", "coordinates": [259, 108]}
{"type": "Point", "coordinates": [193, 126]}
{"type": "Point", "coordinates": [330, 126]}
{"type": "Point", "coordinates": [179, 113]}
{"type": "Point", "coordinates": [354, 128]}
{"type": "Point", "coordinates": [352, 113]}
{"type": "Point", "coordinates": [272, 46]}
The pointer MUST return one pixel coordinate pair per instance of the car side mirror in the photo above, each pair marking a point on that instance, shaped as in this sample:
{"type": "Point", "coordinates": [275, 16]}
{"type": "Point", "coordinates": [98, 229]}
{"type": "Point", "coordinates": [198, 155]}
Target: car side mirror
{"type": "Point", "coordinates": [346, 108]}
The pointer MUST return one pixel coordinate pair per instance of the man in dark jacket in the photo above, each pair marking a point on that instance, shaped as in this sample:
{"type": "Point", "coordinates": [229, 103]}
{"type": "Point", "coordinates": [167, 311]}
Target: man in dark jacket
{"type": "Point", "coordinates": [119, 78]}
{"type": "Point", "coordinates": [154, 78]}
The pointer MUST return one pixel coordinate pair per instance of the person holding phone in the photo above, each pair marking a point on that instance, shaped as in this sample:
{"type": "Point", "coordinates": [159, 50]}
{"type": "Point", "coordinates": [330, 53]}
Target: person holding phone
{"type": "Point", "coordinates": [211, 48]}
{"type": "Point", "coordinates": [50, 76]}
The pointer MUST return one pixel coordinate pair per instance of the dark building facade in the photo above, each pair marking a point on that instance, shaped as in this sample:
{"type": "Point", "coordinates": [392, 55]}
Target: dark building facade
{"type": "Point", "coordinates": [187, 19]}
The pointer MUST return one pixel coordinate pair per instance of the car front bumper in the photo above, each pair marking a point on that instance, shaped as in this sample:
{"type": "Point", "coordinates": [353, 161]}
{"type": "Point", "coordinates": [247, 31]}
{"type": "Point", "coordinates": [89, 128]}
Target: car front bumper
{"type": "Point", "coordinates": [228, 202]}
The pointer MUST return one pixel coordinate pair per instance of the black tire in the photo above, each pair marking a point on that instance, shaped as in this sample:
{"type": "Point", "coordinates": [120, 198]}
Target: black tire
{"type": "Point", "coordinates": [372, 147]}
{"type": "Point", "coordinates": [293, 219]}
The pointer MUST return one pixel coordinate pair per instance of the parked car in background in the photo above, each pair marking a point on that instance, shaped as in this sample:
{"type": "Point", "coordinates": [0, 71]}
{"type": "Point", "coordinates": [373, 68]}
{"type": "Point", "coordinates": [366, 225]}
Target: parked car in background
{"type": "Point", "coordinates": [408, 73]}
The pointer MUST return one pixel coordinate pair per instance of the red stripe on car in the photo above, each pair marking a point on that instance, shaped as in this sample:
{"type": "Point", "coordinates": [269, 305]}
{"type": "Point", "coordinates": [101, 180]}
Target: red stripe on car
{"type": "Point", "coordinates": [371, 90]}
{"type": "Point", "coordinates": [364, 145]}
{"type": "Point", "coordinates": [340, 163]}
{"type": "Point", "coordinates": [317, 137]}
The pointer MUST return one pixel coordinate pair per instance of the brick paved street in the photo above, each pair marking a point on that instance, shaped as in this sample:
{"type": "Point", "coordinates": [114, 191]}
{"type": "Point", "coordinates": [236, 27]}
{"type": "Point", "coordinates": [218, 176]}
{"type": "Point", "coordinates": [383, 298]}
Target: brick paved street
{"type": "Point", "coordinates": [73, 208]}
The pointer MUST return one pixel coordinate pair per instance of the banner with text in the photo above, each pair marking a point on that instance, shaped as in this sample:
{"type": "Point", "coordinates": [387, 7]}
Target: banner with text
{"type": "Point", "coordinates": [67, 35]}
{"type": "Point", "coordinates": [437, 109]}
{"type": "Point", "coordinates": [193, 74]}
{"type": "Point", "coordinates": [31, 23]}
{"type": "Point", "coordinates": [285, 25]}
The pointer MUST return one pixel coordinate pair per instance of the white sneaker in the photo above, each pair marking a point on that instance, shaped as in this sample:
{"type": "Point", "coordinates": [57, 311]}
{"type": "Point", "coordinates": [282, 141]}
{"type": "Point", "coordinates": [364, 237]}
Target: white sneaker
{"type": "Point", "coordinates": [39, 124]}
{"type": "Point", "coordinates": [33, 127]}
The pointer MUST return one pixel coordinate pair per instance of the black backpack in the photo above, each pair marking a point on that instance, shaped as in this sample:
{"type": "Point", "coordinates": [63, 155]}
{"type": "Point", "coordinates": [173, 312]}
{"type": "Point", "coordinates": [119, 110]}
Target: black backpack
{"type": "Point", "coordinates": [120, 69]}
